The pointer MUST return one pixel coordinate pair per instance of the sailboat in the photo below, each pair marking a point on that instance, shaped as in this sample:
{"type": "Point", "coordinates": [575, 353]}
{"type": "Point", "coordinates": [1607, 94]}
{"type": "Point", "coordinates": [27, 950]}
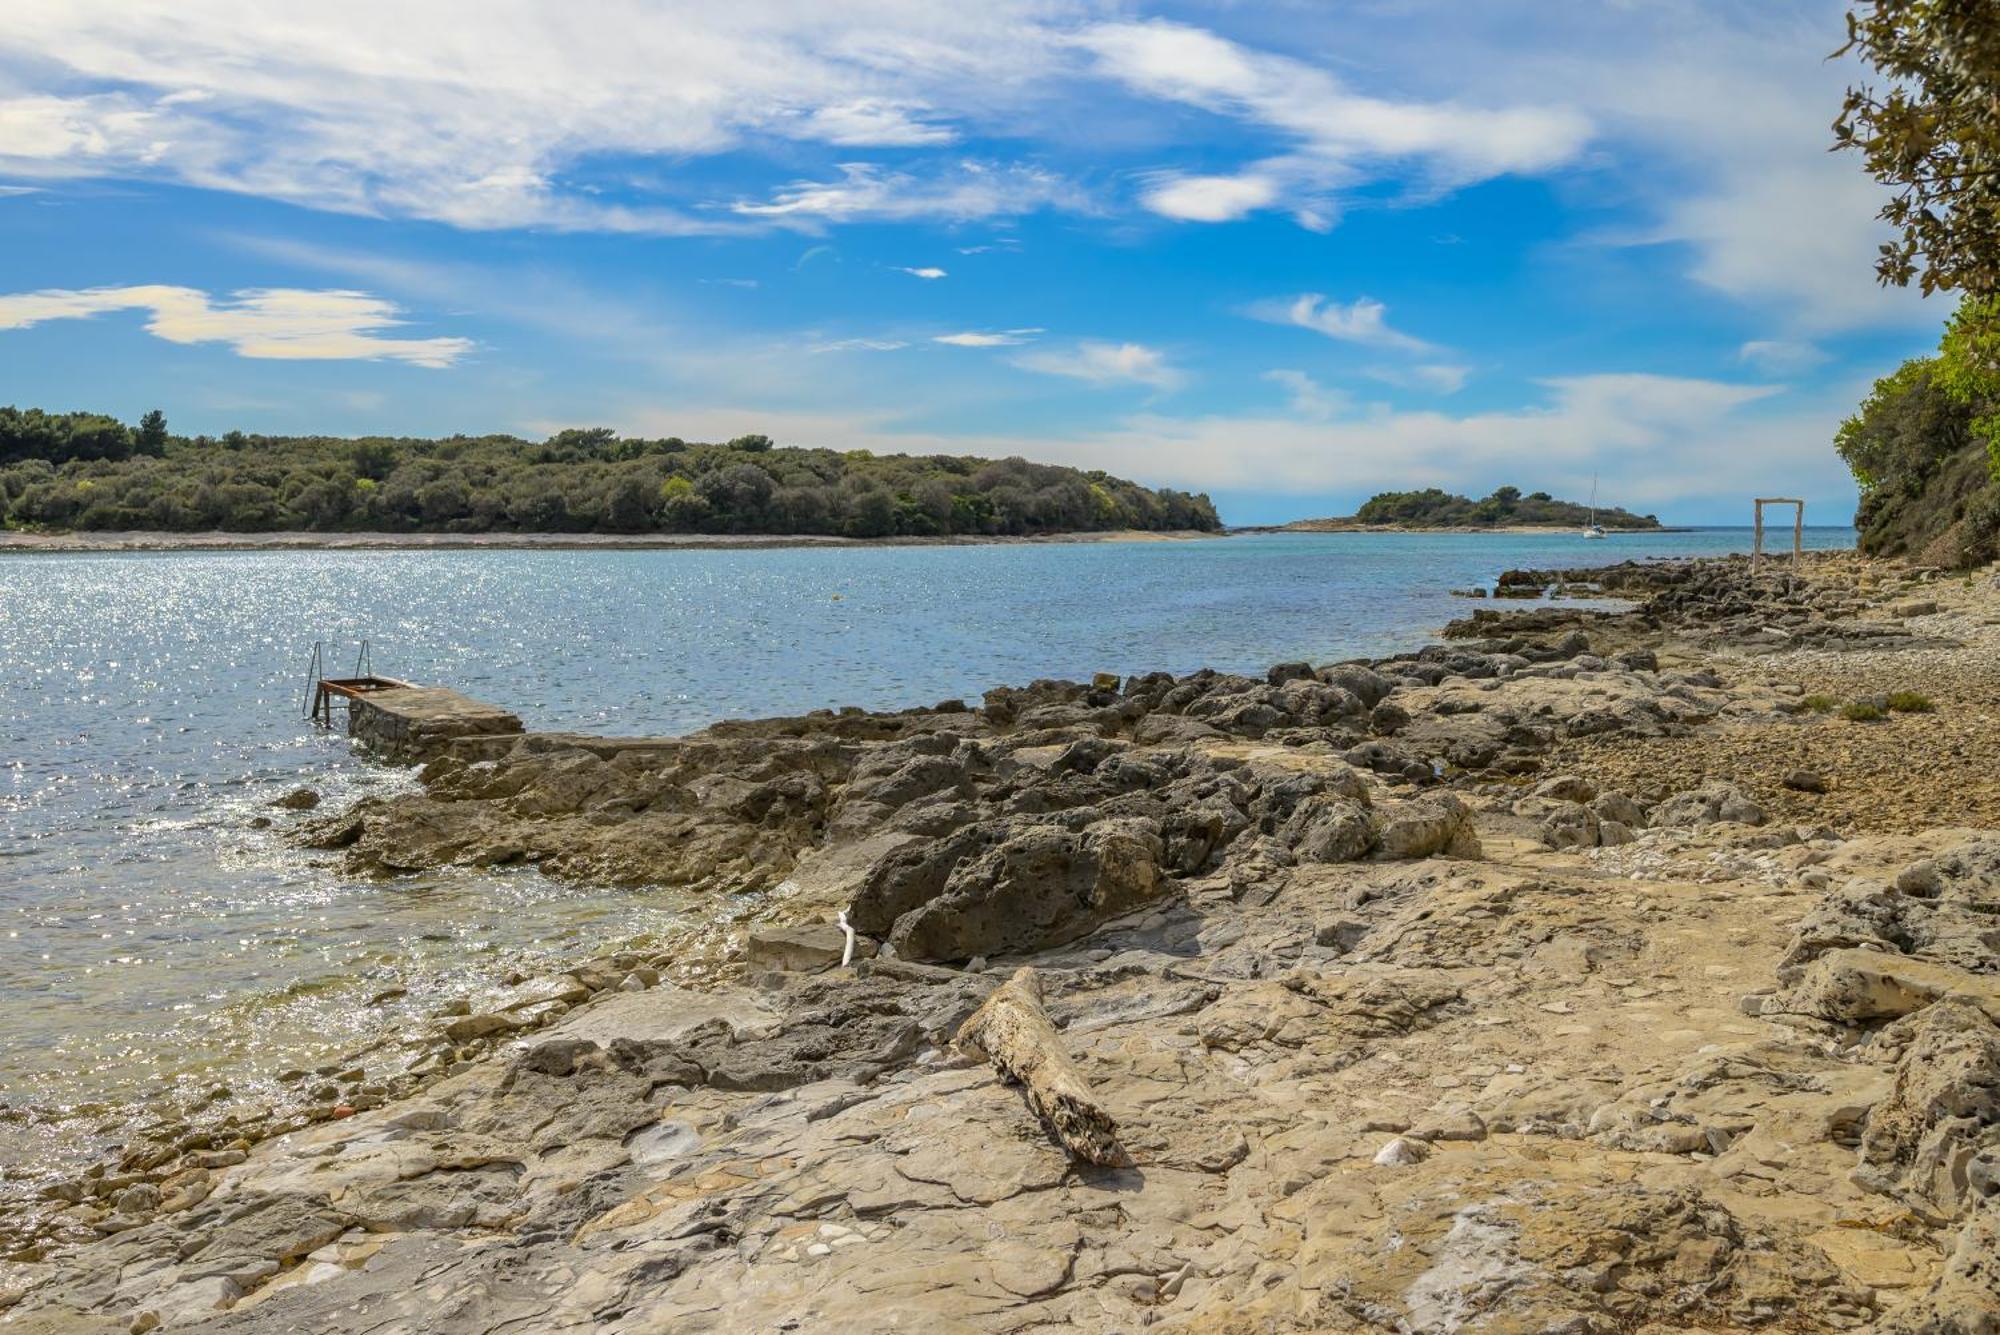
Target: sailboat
{"type": "Point", "coordinates": [1593, 529]}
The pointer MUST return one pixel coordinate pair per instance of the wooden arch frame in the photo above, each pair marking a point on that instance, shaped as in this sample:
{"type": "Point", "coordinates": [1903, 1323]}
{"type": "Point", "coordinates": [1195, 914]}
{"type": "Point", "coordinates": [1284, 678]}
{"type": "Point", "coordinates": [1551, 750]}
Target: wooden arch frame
{"type": "Point", "coordinates": [1798, 525]}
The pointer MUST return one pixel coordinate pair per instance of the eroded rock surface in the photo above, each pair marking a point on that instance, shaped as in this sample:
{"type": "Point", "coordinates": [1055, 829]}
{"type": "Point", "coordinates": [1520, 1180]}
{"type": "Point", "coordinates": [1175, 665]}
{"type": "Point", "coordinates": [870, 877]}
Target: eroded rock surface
{"type": "Point", "coordinates": [1537, 1076]}
{"type": "Point", "coordinates": [1399, 1033]}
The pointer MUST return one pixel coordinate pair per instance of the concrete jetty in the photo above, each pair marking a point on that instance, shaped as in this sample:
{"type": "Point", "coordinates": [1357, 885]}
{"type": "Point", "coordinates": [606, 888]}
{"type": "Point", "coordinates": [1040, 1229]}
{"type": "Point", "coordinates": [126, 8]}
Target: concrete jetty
{"type": "Point", "coordinates": [412, 723]}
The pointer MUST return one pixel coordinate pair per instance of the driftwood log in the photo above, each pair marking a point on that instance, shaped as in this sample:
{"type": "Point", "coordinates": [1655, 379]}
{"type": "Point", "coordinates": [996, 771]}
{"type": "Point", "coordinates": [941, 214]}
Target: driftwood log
{"type": "Point", "coordinates": [1013, 1032]}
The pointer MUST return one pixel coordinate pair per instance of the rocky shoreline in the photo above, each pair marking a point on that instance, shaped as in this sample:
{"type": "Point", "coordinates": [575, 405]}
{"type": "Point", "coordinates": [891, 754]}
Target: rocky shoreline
{"type": "Point", "coordinates": [1526, 982]}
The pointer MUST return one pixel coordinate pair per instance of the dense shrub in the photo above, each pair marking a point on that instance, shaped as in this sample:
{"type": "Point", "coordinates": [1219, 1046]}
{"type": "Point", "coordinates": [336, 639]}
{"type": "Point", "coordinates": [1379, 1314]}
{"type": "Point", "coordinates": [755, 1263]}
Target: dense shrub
{"type": "Point", "coordinates": [1924, 449]}
{"type": "Point", "coordinates": [86, 471]}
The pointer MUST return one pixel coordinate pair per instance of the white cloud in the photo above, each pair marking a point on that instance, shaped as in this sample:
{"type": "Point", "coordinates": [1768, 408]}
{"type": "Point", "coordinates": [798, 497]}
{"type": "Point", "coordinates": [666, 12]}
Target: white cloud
{"type": "Point", "coordinates": [972, 190]}
{"type": "Point", "coordinates": [875, 122]}
{"type": "Point", "coordinates": [985, 339]}
{"type": "Point", "coordinates": [860, 345]}
{"type": "Point", "coordinates": [1101, 363]}
{"type": "Point", "coordinates": [484, 113]}
{"type": "Point", "coordinates": [1782, 356]}
{"type": "Point", "coordinates": [289, 324]}
{"type": "Point", "coordinates": [1363, 320]}
{"type": "Point", "coordinates": [1209, 198]}
{"type": "Point", "coordinates": [925, 273]}
{"type": "Point", "coordinates": [1308, 398]}
{"type": "Point", "coordinates": [1337, 137]}
{"type": "Point", "coordinates": [1436, 377]}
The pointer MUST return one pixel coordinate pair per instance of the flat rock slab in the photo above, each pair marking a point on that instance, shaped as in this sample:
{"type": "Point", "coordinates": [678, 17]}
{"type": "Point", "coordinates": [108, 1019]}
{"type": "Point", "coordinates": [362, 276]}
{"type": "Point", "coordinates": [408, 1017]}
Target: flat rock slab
{"type": "Point", "coordinates": [662, 1015]}
{"type": "Point", "coordinates": [805, 948]}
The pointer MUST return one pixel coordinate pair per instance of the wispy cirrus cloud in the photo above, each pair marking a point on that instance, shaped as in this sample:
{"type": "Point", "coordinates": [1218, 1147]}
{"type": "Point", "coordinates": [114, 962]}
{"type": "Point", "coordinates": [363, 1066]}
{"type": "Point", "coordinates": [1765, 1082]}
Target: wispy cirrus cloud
{"type": "Point", "coordinates": [1363, 320]}
{"type": "Point", "coordinates": [1434, 377]}
{"type": "Point", "coordinates": [1102, 363]}
{"type": "Point", "coordinates": [1307, 396]}
{"type": "Point", "coordinates": [980, 338]}
{"type": "Point", "coordinates": [859, 345]}
{"type": "Point", "coordinates": [965, 193]}
{"type": "Point", "coordinates": [929, 273]}
{"type": "Point", "coordinates": [287, 324]}
{"type": "Point", "coordinates": [876, 122]}
{"type": "Point", "coordinates": [1782, 356]}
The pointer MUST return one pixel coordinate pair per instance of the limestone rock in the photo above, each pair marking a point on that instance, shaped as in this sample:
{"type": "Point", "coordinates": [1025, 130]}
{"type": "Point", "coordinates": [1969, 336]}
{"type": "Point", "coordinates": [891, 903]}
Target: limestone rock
{"type": "Point", "coordinates": [1935, 1141]}
{"type": "Point", "coordinates": [1426, 826]}
{"type": "Point", "coordinates": [1706, 805]}
{"type": "Point", "coordinates": [1037, 888]}
{"type": "Point", "coordinates": [1571, 825]}
{"type": "Point", "coordinates": [1325, 827]}
{"type": "Point", "coordinates": [1855, 986]}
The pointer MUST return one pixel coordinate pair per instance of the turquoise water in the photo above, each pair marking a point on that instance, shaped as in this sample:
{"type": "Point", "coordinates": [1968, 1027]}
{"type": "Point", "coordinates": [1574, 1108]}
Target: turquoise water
{"type": "Point", "coordinates": [149, 710]}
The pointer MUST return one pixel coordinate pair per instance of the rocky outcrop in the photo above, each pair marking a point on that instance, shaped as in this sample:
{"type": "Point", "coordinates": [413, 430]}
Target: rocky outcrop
{"type": "Point", "coordinates": [1706, 805]}
{"type": "Point", "coordinates": [1934, 1141]}
{"type": "Point", "coordinates": [1039, 887]}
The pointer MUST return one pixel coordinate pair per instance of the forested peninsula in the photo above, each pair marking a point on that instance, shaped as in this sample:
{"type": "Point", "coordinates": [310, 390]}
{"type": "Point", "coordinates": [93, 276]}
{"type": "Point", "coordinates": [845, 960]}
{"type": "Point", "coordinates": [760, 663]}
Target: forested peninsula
{"type": "Point", "coordinates": [1506, 508]}
{"type": "Point", "coordinates": [85, 471]}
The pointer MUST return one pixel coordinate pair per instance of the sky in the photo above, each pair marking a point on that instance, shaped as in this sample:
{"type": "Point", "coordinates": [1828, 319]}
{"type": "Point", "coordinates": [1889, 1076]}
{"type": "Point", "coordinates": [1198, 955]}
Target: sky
{"type": "Point", "coordinates": [1289, 253]}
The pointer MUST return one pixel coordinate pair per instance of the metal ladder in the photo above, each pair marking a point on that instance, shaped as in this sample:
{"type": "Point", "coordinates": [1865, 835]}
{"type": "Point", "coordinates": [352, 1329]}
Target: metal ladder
{"type": "Point", "coordinates": [318, 703]}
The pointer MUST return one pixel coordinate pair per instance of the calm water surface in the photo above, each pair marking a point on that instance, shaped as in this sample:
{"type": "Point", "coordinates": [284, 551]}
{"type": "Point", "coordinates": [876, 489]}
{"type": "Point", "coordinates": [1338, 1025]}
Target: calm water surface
{"type": "Point", "coordinates": [149, 710]}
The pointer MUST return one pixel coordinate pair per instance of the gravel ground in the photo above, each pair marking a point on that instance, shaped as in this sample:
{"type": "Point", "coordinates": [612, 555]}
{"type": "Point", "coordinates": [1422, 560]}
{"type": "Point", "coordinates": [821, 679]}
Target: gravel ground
{"type": "Point", "coordinates": [1904, 773]}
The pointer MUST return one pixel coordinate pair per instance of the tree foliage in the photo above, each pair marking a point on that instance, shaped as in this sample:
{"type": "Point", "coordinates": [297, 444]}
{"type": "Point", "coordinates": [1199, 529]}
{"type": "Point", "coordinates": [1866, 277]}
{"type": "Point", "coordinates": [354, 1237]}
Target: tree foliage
{"type": "Point", "coordinates": [1917, 451]}
{"type": "Point", "coordinates": [60, 438]}
{"type": "Point", "coordinates": [1925, 445]}
{"type": "Point", "coordinates": [84, 471]}
{"type": "Point", "coordinates": [1908, 425]}
{"type": "Point", "coordinates": [1932, 134]}
{"type": "Point", "coordinates": [1434, 508]}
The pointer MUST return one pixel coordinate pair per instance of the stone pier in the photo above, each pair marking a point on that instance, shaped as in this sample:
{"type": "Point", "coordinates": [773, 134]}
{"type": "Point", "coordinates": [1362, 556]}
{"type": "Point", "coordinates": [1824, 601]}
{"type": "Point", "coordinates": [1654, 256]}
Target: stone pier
{"type": "Point", "coordinates": [414, 723]}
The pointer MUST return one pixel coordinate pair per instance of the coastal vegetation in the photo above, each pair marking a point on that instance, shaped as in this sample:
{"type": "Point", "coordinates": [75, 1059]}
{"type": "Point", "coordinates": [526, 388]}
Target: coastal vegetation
{"type": "Point", "coordinates": [1924, 447]}
{"type": "Point", "coordinates": [88, 471]}
{"type": "Point", "coordinates": [1921, 448]}
{"type": "Point", "coordinates": [1506, 507]}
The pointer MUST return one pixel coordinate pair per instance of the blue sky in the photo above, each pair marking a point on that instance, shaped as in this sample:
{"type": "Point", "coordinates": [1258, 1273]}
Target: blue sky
{"type": "Point", "coordinates": [1286, 253]}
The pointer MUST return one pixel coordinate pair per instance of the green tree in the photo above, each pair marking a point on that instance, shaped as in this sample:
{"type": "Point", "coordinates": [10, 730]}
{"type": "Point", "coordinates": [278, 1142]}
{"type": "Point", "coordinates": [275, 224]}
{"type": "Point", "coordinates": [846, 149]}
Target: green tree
{"type": "Point", "coordinates": [1932, 134]}
{"type": "Point", "coordinates": [153, 433]}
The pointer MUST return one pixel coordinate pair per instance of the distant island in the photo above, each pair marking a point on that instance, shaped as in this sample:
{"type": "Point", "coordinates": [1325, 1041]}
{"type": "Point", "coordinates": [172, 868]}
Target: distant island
{"type": "Point", "coordinates": [68, 472]}
{"type": "Point", "coordinates": [1432, 508]}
